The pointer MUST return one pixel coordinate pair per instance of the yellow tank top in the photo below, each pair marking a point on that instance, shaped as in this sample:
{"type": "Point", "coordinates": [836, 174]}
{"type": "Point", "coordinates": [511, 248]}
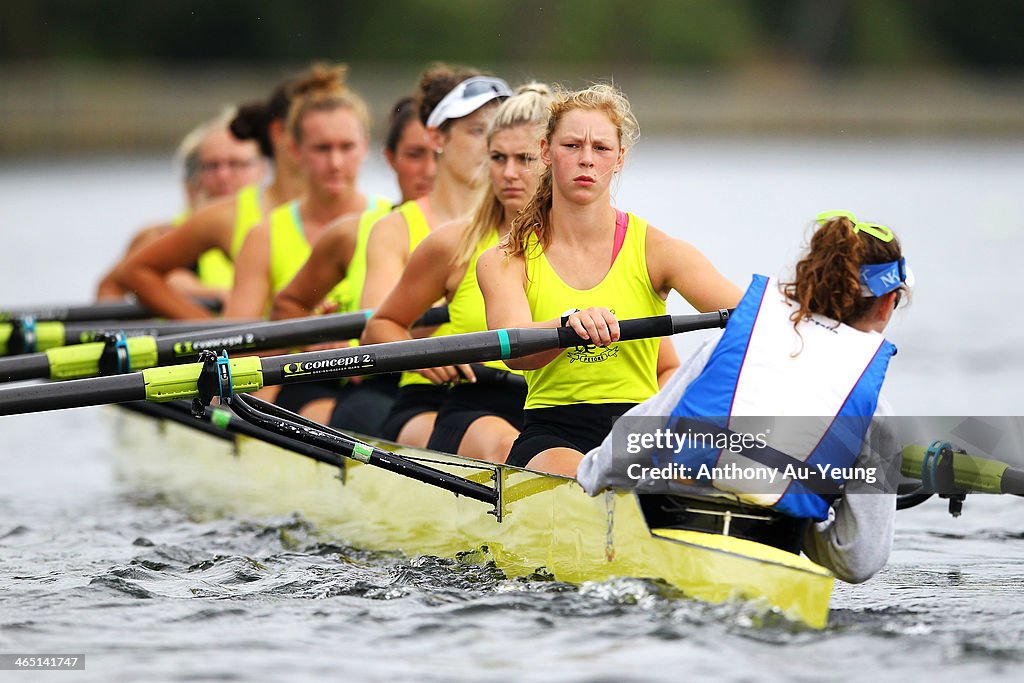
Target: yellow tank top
{"type": "Point", "coordinates": [624, 372]}
{"type": "Point", "coordinates": [289, 247]}
{"type": "Point", "coordinates": [215, 268]}
{"type": "Point", "coordinates": [419, 228]}
{"type": "Point", "coordinates": [466, 312]}
{"type": "Point", "coordinates": [350, 289]}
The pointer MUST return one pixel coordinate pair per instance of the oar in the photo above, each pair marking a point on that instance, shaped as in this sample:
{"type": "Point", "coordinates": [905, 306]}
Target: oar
{"type": "Point", "coordinates": [246, 374]}
{"type": "Point", "coordinates": [103, 310]}
{"type": "Point", "coordinates": [17, 338]}
{"type": "Point", "coordinates": [944, 470]}
{"type": "Point", "coordinates": [117, 355]}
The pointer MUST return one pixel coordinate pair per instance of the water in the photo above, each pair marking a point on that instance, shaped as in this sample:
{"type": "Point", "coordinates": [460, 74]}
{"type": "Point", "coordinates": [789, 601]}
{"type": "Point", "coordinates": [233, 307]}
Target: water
{"type": "Point", "coordinates": [89, 565]}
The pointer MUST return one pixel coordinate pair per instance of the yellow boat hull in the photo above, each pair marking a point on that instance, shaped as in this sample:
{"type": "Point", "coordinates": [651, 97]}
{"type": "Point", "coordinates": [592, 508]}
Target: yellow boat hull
{"type": "Point", "coordinates": [543, 523]}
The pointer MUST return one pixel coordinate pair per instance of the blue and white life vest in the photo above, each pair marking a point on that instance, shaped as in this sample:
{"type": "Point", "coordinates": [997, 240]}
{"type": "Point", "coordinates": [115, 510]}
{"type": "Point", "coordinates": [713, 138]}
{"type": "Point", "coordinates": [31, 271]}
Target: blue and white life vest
{"type": "Point", "coordinates": [825, 373]}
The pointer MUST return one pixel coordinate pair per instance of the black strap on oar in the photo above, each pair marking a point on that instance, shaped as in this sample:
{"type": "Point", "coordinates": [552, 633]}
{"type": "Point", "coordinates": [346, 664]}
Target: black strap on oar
{"type": "Point", "coordinates": [214, 381]}
{"type": "Point", "coordinates": [275, 419]}
{"type": "Point", "coordinates": [115, 358]}
{"type": "Point", "coordinates": [24, 338]}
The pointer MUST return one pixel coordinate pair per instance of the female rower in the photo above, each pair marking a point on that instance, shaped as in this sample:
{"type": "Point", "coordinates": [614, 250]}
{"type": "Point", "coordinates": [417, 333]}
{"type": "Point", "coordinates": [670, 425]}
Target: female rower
{"type": "Point", "coordinates": [216, 164]}
{"type": "Point", "coordinates": [456, 106]}
{"type": "Point", "coordinates": [813, 346]}
{"type": "Point", "coordinates": [329, 126]}
{"type": "Point", "coordinates": [571, 249]}
{"type": "Point", "coordinates": [222, 225]}
{"type": "Point", "coordinates": [339, 256]}
{"type": "Point", "coordinates": [481, 418]}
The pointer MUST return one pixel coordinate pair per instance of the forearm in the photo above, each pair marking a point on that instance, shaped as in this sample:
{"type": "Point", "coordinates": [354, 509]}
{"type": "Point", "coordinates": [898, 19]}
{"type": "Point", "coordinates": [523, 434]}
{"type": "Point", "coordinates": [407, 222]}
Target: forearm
{"type": "Point", "coordinates": [152, 289]}
{"type": "Point", "coordinates": [381, 330]}
{"type": "Point", "coordinates": [286, 305]}
{"type": "Point", "coordinates": [109, 289]}
{"type": "Point", "coordinates": [188, 283]}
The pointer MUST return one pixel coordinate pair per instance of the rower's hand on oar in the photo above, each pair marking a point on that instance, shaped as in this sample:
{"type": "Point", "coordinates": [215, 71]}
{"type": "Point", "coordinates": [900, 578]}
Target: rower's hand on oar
{"type": "Point", "coordinates": [325, 307]}
{"type": "Point", "coordinates": [449, 374]}
{"type": "Point", "coordinates": [597, 324]}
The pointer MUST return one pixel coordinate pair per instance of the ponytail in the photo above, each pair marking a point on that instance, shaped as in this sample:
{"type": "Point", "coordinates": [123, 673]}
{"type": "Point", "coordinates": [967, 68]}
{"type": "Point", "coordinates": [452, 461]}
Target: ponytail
{"type": "Point", "coordinates": [323, 89]}
{"type": "Point", "coordinates": [252, 122]}
{"type": "Point", "coordinates": [827, 280]}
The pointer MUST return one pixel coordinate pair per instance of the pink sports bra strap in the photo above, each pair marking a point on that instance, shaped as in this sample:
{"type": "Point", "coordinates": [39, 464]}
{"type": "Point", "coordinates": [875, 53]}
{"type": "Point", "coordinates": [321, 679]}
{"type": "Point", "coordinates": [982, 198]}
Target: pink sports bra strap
{"type": "Point", "coordinates": [621, 223]}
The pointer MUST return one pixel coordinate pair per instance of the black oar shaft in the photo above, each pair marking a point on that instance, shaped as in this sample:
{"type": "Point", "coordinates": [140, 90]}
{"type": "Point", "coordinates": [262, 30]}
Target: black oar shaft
{"type": "Point", "coordinates": [72, 394]}
{"type": "Point", "coordinates": [249, 373]}
{"type": "Point", "coordinates": [103, 310]}
{"type": "Point", "coordinates": [463, 348]}
{"type": "Point", "coordinates": [27, 366]}
{"type": "Point", "coordinates": [83, 333]}
{"type": "Point", "coordinates": [83, 359]}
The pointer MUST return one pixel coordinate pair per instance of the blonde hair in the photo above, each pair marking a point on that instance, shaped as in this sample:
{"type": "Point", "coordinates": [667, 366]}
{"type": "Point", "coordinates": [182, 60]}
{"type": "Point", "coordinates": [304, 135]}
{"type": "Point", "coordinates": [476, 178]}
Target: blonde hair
{"type": "Point", "coordinates": [323, 89]}
{"type": "Point", "coordinates": [188, 149]}
{"type": "Point", "coordinates": [528, 107]}
{"type": "Point", "coordinates": [600, 97]}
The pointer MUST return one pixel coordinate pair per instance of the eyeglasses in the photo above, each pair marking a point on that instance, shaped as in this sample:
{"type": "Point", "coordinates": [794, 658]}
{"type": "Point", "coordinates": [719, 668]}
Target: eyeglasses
{"type": "Point", "coordinates": [882, 232]}
{"type": "Point", "coordinates": [233, 165]}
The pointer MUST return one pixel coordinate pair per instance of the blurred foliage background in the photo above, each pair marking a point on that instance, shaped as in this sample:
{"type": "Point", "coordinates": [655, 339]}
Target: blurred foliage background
{"type": "Point", "coordinates": [114, 74]}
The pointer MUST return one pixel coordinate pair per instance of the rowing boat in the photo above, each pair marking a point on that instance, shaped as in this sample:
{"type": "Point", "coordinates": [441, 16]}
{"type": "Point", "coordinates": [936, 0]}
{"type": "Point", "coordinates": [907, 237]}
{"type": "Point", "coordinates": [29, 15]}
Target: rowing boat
{"type": "Point", "coordinates": [425, 503]}
{"type": "Point", "coordinates": [537, 523]}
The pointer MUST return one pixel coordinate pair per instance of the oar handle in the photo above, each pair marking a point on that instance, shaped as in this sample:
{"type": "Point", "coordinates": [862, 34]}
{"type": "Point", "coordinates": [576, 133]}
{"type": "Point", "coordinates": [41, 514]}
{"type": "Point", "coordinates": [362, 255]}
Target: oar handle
{"type": "Point", "coordinates": [654, 326]}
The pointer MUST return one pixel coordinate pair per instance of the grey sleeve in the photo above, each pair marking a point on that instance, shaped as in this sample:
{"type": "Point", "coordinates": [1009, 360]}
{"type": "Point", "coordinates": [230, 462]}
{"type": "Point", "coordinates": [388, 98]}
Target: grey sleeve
{"type": "Point", "coordinates": [594, 471]}
{"type": "Point", "coordinates": [854, 543]}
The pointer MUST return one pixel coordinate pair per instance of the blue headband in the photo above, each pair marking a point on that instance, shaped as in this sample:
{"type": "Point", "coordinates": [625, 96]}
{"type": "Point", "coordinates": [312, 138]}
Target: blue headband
{"type": "Point", "coordinates": [882, 278]}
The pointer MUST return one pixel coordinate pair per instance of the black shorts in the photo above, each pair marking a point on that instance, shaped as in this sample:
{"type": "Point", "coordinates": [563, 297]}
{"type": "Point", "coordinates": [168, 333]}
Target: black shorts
{"type": "Point", "coordinates": [467, 403]}
{"type": "Point", "coordinates": [358, 406]}
{"type": "Point", "coordinates": [410, 402]}
{"type": "Point", "coordinates": [363, 406]}
{"type": "Point", "coordinates": [295, 397]}
{"type": "Point", "coordinates": [581, 426]}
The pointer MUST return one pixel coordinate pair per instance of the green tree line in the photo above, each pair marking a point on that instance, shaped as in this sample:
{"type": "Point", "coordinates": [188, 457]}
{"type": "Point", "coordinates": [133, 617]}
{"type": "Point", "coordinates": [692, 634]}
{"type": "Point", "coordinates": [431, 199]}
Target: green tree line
{"type": "Point", "coordinates": [982, 34]}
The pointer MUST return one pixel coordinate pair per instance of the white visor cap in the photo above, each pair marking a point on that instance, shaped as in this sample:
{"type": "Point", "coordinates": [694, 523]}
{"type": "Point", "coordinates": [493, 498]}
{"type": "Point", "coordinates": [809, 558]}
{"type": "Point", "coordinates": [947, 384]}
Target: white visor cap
{"type": "Point", "coordinates": [466, 98]}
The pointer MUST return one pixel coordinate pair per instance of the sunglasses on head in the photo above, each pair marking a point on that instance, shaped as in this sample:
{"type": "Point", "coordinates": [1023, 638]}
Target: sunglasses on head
{"type": "Point", "coordinates": [882, 232]}
{"type": "Point", "coordinates": [482, 85]}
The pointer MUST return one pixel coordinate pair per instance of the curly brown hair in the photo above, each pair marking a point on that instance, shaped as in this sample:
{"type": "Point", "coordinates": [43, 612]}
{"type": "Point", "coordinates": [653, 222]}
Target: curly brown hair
{"type": "Point", "coordinates": [827, 279]}
{"type": "Point", "coordinates": [437, 81]}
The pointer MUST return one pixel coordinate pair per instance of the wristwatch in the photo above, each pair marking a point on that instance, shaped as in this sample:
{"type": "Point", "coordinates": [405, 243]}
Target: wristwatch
{"type": "Point", "coordinates": [565, 316]}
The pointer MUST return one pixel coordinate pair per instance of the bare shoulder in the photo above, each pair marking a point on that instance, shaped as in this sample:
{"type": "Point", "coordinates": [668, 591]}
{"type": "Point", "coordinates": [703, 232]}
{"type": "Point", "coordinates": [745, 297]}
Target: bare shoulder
{"type": "Point", "coordinates": [392, 224]}
{"type": "Point", "coordinates": [445, 238]}
{"type": "Point", "coordinates": [341, 230]}
{"type": "Point", "coordinates": [498, 261]}
{"type": "Point", "coordinates": [212, 225]}
{"type": "Point", "coordinates": [662, 246]}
